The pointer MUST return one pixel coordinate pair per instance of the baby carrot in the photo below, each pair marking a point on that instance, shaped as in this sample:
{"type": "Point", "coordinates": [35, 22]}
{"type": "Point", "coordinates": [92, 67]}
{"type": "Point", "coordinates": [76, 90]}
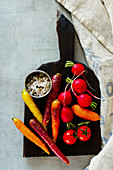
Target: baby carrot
{"type": "Point", "coordinates": [84, 113]}
{"type": "Point", "coordinates": [29, 134]}
{"type": "Point", "coordinates": [56, 83]}
{"type": "Point", "coordinates": [28, 100]}
{"type": "Point", "coordinates": [55, 115]}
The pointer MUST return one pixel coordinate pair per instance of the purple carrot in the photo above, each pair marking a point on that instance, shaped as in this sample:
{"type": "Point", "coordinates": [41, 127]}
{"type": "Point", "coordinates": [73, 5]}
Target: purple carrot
{"type": "Point", "coordinates": [56, 83]}
{"type": "Point", "coordinates": [45, 136]}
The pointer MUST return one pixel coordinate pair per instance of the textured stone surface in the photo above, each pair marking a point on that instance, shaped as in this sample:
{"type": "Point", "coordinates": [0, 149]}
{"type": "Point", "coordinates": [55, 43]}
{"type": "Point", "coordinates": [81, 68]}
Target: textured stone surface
{"type": "Point", "coordinates": [28, 38]}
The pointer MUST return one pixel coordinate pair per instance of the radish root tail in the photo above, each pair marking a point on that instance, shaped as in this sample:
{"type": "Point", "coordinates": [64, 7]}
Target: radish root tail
{"type": "Point", "coordinates": [88, 83]}
{"type": "Point", "coordinates": [94, 95]}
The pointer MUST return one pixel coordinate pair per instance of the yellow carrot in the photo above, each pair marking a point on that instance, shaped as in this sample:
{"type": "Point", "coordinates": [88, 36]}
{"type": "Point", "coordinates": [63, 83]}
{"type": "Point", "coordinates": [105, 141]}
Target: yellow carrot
{"type": "Point", "coordinates": [29, 134]}
{"type": "Point", "coordinates": [28, 100]}
{"type": "Point", "coordinates": [84, 113]}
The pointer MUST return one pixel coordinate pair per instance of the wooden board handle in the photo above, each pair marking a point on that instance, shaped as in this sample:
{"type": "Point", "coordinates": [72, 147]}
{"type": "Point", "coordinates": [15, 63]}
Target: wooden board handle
{"type": "Point", "coordinates": [65, 31]}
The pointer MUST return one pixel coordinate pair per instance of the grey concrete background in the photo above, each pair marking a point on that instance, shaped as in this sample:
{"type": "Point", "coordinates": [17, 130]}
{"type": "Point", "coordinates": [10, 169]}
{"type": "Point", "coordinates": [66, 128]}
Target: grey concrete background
{"type": "Point", "coordinates": [28, 38]}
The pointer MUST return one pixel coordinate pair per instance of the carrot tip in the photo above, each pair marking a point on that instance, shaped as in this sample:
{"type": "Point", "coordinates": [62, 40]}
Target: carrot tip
{"type": "Point", "coordinates": [54, 140]}
{"type": "Point", "coordinates": [68, 164]}
{"type": "Point", "coordinates": [47, 152]}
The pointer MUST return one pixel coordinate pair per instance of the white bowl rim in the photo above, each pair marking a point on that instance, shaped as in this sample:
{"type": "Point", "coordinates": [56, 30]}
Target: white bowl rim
{"type": "Point", "coordinates": [38, 71]}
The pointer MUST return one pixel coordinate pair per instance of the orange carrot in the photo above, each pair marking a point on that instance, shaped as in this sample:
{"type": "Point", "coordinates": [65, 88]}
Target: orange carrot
{"type": "Point", "coordinates": [29, 134]}
{"type": "Point", "coordinates": [28, 100]}
{"type": "Point", "coordinates": [84, 113]}
{"type": "Point", "coordinates": [55, 115]}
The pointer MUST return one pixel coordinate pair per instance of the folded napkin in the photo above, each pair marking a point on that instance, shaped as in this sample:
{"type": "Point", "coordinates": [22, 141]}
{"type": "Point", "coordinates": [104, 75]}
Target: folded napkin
{"type": "Point", "coordinates": [93, 22]}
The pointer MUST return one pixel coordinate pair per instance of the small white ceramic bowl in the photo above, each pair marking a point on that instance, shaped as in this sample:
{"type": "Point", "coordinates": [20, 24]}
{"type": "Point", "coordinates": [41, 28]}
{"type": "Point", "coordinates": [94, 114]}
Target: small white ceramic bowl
{"type": "Point", "coordinates": [30, 85]}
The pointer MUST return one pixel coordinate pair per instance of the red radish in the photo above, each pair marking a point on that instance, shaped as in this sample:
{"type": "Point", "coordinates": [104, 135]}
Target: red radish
{"type": "Point", "coordinates": [79, 86]}
{"type": "Point", "coordinates": [65, 98]}
{"type": "Point", "coordinates": [48, 140]}
{"type": "Point", "coordinates": [66, 114]}
{"type": "Point", "coordinates": [84, 100]}
{"type": "Point", "coordinates": [76, 68]}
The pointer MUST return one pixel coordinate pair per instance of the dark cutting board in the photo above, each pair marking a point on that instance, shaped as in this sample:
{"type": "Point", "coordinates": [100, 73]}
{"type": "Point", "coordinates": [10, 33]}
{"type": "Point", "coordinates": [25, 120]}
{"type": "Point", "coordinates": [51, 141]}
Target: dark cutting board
{"type": "Point", "coordinates": [65, 32]}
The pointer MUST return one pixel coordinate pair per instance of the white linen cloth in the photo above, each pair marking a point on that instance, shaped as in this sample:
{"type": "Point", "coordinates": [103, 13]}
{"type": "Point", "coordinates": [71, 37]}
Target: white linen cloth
{"type": "Point", "coordinates": [93, 22]}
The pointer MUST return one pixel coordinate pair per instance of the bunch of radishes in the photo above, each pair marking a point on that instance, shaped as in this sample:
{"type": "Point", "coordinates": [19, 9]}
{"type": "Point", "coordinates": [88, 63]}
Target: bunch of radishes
{"type": "Point", "coordinates": [78, 86]}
